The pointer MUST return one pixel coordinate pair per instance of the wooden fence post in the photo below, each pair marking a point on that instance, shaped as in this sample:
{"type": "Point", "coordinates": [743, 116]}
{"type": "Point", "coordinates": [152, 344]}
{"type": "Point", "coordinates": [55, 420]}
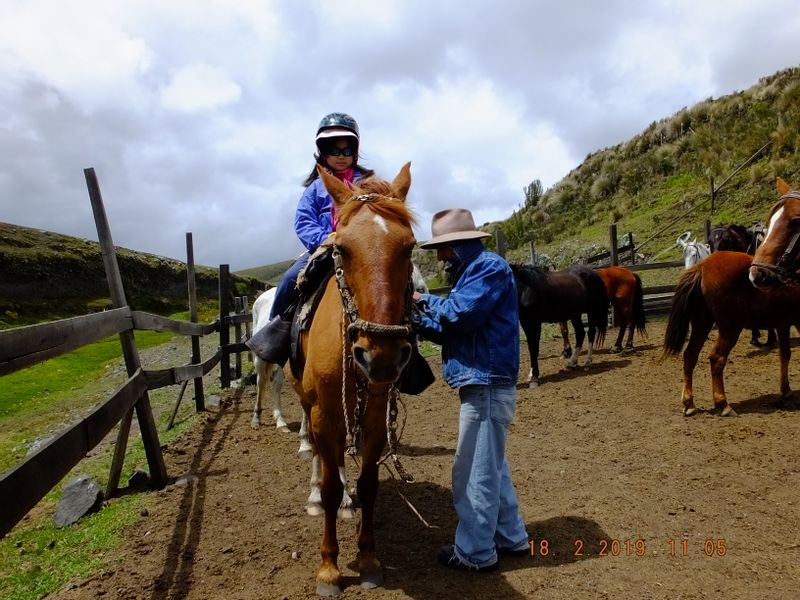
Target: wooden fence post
{"type": "Point", "coordinates": [199, 396]}
{"type": "Point", "coordinates": [224, 327]}
{"type": "Point", "coordinates": [500, 239]}
{"type": "Point", "coordinates": [612, 234]}
{"type": "Point", "coordinates": [144, 414]}
{"type": "Point", "coordinates": [708, 231]}
{"type": "Point", "coordinates": [633, 248]}
{"type": "Point", "coordinates": [237, 335]}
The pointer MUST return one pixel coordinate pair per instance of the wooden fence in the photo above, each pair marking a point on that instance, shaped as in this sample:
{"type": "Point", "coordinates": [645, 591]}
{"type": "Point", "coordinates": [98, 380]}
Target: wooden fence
{"type": "Point", "coordinates": [23, 486]}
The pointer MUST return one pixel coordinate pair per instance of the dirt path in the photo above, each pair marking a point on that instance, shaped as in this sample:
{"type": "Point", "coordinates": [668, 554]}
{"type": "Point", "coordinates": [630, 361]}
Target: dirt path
{"type": "Point", "coordinates": [602, 459]}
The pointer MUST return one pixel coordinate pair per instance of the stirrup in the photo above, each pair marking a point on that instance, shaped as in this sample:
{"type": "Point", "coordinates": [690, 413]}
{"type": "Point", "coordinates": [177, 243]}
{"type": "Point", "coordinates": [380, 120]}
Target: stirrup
{"type": "Point", "coordinates": [272, 342]}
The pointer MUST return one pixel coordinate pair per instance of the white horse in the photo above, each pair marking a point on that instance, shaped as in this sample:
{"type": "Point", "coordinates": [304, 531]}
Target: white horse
{"type": "Point", "coordinates": [269, 374]}
{"type": "Point", "coordinates": [693, 251]}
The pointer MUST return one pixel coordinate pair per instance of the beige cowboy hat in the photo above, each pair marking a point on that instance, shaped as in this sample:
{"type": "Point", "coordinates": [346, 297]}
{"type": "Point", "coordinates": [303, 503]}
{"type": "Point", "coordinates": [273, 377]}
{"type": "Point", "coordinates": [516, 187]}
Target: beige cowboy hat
{"type": "Point", "coordinates": [453, 225]}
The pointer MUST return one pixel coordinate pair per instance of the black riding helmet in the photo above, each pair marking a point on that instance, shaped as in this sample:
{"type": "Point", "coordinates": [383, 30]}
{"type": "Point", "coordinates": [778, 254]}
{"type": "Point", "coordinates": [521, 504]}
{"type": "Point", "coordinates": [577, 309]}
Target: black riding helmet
{"type": "Point", "coordinates": [337, 125]}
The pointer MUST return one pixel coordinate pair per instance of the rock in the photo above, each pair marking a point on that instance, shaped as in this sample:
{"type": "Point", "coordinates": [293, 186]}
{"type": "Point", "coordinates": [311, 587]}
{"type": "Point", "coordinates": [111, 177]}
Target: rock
{"type": "Point", "coordinates": [212, 401]}
{"type": "Point", "coordinates": [184, 480]}
{"type": "Point", "coordinates": [139, 479]}
{"type": "Point", "coordinates": [80, 496]}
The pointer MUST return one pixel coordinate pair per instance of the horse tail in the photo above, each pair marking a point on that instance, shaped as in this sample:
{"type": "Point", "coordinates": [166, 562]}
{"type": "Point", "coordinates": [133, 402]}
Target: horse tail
{"type": "Point", "coordinates": [639, 320]}
{"type": "Point", "coordinates": [598, 304]}
{"type": "Point", "coordinates": [687, 293]}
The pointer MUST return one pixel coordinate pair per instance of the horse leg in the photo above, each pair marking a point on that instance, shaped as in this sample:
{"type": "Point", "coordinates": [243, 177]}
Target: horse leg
{"type": "Point", "coordinates": [580, 335]}
{"type": "Point", "coordinates": [590, 346]}
{"type": "Point", "coordinates": [623, 324]}
{"type": "Point", "coordinates": [772, 340]}
{"type": "Point", "coordinates": [533, 333]}
{"type": "Point", "coordinates": [690, 355]}
{"type": "Point", "coordinates": [331, 492]}
{"type": "Point", "coordinates": [726, 340]}
{"type": "Point", "coordinates": [275, 376]}
{"type": "Point", "coordinates": [305, 451]}
{"type": "Point", "coordinates": [567, 351]}
{"type": "Point", "coordinates": [785, 352]}
{"type": "Point", "coordinates": [374, 438]}
{"type": "Point", "coordinates": [261, 390]}
{"type": "Point", "coordinates": [628, 321]}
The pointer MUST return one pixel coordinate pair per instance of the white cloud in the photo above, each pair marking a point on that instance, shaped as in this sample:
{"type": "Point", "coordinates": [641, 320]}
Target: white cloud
{"type": "Point", "coordinates": [199, 87]}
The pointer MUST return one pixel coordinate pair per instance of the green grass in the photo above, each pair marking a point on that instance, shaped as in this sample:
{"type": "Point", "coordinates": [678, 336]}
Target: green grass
{"type": "Point", "coordinates": [36, 558]}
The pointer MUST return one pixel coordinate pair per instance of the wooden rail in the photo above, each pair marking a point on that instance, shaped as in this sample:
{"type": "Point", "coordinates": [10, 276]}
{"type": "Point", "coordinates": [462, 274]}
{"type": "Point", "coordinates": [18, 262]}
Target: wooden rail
{"type": "Point", "coordinates": [24, 485]}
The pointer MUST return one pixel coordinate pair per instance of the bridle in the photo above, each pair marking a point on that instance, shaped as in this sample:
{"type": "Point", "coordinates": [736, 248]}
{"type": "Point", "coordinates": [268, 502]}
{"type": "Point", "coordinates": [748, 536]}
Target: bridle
{"type": "Point", "coordinates": [357, 324]}
{"type": "Point", "coordinates": [785, 270]}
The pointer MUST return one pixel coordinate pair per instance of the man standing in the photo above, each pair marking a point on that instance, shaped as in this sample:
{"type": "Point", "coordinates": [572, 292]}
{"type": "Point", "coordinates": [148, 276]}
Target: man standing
{"type": "Point", "coordinates": [477, 326]}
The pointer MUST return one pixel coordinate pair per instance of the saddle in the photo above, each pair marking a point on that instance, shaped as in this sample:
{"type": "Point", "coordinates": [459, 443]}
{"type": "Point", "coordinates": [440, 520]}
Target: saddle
{"type": "Point", "coordinates": [311, 282]}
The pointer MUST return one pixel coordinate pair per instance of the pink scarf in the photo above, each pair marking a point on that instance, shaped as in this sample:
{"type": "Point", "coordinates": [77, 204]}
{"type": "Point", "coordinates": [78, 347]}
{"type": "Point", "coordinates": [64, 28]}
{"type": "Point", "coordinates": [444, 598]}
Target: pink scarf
{"type": "Point", "coordinates": [347, 177]}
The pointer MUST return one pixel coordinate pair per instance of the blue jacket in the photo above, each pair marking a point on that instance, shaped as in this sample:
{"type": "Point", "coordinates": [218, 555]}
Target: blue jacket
{"type": "Point", "coordinates": [477, 324]}
{"type": "Point", "coordinates": [313, 221]}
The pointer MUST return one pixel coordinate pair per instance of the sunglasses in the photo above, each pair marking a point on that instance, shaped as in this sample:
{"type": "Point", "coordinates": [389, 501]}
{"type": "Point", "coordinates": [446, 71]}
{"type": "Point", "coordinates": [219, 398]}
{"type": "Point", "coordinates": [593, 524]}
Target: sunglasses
{"type": "Point", "coordinates": [347, 151]}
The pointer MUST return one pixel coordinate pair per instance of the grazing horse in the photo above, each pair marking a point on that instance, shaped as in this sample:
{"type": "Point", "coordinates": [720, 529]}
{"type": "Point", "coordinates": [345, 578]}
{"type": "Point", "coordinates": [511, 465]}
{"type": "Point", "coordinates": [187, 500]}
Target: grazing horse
{"type": "Point", "coordinates": [354, 352]}
{"type": "Point", "coordinates": [693, 251]}
{"type": "Point", "coordinates": [556, 296]}
{"type": "Point", "coordinates": [736, 292]}
{"type": "Point", "coordinates": [738, 238]}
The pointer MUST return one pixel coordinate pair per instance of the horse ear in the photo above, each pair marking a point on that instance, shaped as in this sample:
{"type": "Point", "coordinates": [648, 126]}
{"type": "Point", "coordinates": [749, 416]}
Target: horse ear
{"type": "Point", "coordinates": [783, 187]}
{"type": "Point", "coordinates": [336, 188]}
{"type": "Point", "coordinates": [402, 182]}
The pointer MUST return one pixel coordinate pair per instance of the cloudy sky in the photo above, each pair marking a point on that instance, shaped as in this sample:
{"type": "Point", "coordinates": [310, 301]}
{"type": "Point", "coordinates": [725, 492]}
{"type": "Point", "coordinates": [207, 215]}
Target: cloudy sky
{"type": "Point", "coordinates": [200, 115]}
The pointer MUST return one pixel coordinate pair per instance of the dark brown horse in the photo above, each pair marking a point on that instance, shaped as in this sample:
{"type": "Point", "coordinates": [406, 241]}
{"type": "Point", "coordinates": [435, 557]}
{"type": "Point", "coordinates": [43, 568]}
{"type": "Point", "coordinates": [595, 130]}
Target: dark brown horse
{"type": "Point", "coordinates": [722, 290]}
{"type": "Point", "coordinates": [555, 296]}
{"type": "Point", "coordinates": [357, 346]}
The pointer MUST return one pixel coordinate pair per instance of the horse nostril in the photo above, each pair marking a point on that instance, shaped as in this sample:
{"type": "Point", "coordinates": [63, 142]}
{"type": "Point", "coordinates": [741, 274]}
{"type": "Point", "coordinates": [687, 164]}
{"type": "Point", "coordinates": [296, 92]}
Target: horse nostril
{"type": "Point", "coordinates": [361, 357]}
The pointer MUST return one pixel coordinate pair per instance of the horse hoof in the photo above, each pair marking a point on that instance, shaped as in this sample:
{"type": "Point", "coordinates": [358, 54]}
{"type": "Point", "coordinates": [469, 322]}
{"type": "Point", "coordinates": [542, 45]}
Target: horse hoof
{"type": "Point", "coordinates": [688, 412]}
{"type": "Point", "coordinates": [728, 412]}
{"type": "Point", "coordinates": [615, 350]}
{"type": "Point", "coordinates": [255, 423]}
{"type": "Point", "coordinates": [328, 590]}
{"type": "Point", "coordinates": [283, 428]}
{"type": "Point", "coordinates": [314, 510]}
{"type": "Point", "coordinates": [304, 454]}
{"type": "Point", "coordinates": [369, 581]}
{"type": "Point", "coordinates": [533, 384]}
{"type": "Point", "coordinates": [346, 512]}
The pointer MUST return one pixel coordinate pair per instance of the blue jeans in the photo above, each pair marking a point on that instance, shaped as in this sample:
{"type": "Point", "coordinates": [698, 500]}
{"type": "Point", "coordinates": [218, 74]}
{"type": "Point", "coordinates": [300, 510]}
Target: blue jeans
{"type": "Point", "coordinates": [483, 495]}
{"type": "Point", "coordinates": [287, 288]}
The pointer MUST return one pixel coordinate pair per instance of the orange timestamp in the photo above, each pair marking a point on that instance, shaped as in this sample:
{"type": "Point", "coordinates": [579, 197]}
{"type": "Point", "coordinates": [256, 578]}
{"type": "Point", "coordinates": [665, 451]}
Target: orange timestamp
{"type": "Point", "coordinates": [542, 548]}
{"type": "Point", "coordinates": [603, 547]}
{"type": "Point", "coordinates": [711, 547]}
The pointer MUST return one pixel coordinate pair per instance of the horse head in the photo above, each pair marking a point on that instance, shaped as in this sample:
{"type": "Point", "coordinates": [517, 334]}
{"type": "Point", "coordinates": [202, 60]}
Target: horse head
{"type": "Point", "coordinates": [777, 260]}
{"type": "Point", "coordinates": [372, 253]}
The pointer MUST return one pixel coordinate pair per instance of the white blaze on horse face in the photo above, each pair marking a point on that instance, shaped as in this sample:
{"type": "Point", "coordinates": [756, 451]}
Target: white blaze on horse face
{"type": "Point", "coordinates": [778, 214]}
{"type": "Point", "coordinates": [380, 222]}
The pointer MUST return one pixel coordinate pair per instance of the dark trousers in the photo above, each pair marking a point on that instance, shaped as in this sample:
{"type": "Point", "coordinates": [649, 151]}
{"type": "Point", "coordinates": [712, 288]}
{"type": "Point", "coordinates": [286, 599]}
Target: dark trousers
{"type": "Point", "coordinates": [287, 293]}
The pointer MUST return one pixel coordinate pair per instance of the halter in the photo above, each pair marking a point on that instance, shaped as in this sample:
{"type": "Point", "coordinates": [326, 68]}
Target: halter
{"type": "Point", "coordinates": [785, 270]}
{"type": "Point", "coordinates": [350, 332]}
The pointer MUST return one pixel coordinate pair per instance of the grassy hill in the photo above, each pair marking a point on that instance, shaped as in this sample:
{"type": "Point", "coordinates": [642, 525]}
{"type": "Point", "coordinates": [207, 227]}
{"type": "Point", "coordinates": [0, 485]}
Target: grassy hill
{"type": "Point", "coordinates": [657, 184]}
{"type": "Point", "coordinates": [269, 273]}
{"type": "Point", "coordinates": [45, 275]}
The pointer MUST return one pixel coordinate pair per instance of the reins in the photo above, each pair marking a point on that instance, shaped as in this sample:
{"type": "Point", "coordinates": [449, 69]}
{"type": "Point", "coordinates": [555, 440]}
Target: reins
{"type": "Point", "coordinates": [350, 332]}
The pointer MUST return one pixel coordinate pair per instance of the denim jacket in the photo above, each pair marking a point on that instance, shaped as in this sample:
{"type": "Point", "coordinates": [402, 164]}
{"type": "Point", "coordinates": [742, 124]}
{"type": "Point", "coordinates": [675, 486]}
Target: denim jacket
{"type": "Point", "coordinates": [313, 220]}
{"type": "Point", "coordinates": [477, 324]}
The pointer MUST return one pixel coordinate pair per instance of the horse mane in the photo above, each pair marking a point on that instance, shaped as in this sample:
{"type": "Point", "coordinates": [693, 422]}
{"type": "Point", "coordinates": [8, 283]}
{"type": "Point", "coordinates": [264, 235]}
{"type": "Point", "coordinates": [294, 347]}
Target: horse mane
{"type": "Point", "coordinates": [528, 274]}
{"type": "Point", "coordinates": [384, 205]}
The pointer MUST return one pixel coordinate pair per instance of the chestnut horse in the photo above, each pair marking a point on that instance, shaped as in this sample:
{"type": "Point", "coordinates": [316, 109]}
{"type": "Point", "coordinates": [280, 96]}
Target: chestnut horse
{"type": "Point", "coordinates": [739, 238]}
{"type": "Point", "coordinates": [354, 352]}
{"type": "Point", "coordinates": [624, 289]}
{"type": "Point", "coordinates": [737, 291]}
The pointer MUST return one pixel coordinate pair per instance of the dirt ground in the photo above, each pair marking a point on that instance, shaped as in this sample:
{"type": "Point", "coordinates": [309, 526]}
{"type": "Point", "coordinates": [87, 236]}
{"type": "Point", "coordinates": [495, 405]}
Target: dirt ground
{"type": "Point", "coordinates": [628, 498]}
